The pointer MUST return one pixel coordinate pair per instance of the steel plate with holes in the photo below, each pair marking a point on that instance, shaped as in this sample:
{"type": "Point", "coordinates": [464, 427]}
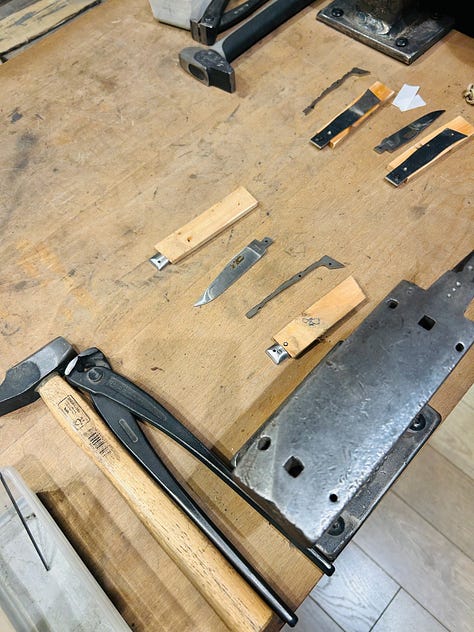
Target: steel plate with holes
{"type": "Point", "coordinates": [319, 452]}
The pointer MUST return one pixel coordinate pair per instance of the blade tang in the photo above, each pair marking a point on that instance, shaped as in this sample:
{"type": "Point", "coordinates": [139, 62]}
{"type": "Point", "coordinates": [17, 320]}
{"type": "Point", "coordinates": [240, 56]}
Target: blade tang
{"type": "Point", "coordinates": [327, 262]}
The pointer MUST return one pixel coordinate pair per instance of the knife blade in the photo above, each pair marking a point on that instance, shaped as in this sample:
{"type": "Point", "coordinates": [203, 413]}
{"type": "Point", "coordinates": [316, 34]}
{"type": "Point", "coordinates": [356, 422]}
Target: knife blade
{"type": "Point", "coordinates": [396, 140]}
{"type": "Point", "coordinates": [236, 267]}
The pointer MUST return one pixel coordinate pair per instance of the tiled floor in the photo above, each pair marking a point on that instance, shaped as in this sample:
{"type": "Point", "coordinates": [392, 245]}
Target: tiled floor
{"type": "Point", "coordinates": [410, 568]}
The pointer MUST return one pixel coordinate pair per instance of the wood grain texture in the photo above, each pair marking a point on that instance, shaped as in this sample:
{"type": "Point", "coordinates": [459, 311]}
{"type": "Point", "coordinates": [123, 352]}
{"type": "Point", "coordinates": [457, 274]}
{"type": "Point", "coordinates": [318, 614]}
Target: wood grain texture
{"type": "Point", "coordinates": [421, 560]}
{"type": "Point", "coordinates": [207, 225]}
{"type": "Point", "coordinates": [106, 144]}
{"type": "Point", "coordinates": [454, 439]}
{"type": "Point", "coordinates": [224, 589]}
{"type": "Point", "coordinates": [319, 317]}
{"type": "Point", "coordinates": [312, 618]}
{"type": "Point", "coordinates": [439, 492]}
{"type": "Point", "coordinates": [32, 21]}
{"type": "Point", "coordinates": [404, 613]}
{"type": "Point", "coordinates": [358, 592]}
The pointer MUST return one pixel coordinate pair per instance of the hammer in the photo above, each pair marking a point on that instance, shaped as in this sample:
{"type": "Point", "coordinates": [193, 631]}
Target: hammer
{"type": "Point", "coordinates": [212, 65]}
{"type": "Point", "coordinates": [40, 375]}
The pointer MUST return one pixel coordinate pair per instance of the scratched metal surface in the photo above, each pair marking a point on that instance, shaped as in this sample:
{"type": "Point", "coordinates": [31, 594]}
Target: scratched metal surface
{"type": "Point", "coordinates": [327, 439]}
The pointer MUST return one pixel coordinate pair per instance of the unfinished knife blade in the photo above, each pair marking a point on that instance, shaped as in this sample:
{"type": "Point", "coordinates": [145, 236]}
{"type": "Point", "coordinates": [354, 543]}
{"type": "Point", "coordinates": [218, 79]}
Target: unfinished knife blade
{"type": "Point", "coordinates": [327, 262]}
{"type": "Point", "coordinates": [236, 267]}
{"type": "Point", "coordinates": [403, 135]}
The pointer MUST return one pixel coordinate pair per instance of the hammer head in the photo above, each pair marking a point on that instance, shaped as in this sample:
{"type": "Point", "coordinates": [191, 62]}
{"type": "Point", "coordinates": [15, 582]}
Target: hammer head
{"type": "Point", "coordinates": [21, 381]}
{"type": "Point", "coordinates": [209, 67]}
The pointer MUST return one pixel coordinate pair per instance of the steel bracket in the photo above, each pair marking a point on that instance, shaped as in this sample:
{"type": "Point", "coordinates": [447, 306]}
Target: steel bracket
{"type": "Point", "coordinates": [398, 28]}
{"type": "Point", "coordinates": [324, 459]}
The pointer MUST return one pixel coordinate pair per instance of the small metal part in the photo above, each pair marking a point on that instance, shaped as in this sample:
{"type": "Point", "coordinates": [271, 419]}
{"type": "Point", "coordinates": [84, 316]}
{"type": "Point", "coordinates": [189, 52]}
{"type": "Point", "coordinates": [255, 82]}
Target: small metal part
{"type": "Point", "coordinates": [332, 436]}
{"type": "Point", "coordinates": [407, 133]}
{"type": "Point", "coordinates": [23, 521]}
{"type": "Point", "coordinates": [277, 353]}
{"type": "Point", "coordinates": [236, 267]}
{"type": "Point", "coordinates": [424, 155]}
{"type": "Point", "coordinates": [325, 261]}
{"type": "Point", "coordinates": [346, 119]}
{"type": "Point", "coordinates": [159, 261]}
{"type": "Point", "coordinates": [354, 71]}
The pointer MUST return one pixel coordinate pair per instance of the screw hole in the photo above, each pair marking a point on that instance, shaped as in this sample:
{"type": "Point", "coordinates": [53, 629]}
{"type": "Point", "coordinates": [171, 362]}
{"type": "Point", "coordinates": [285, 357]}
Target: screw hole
{"type": "Point", "coordinates": [264, 443]}
{"type": "Point", "coordinates": [392, 303]}
{"type": "Point", "coordinates": [459, 347]}
{"type": "Point", "coordinates": [333, 498]}
{"type": "Point", "coordinates": [427, 323]}
{"type": "Point", "coordinates": [294, 466]}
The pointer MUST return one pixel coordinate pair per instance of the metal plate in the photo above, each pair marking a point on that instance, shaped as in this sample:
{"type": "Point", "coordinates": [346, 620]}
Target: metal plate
{"type": "Point", "coordinates": [406, 39]}
{"type": "Point", "coordinates": [315, 453]}
{"type": "Point", "coordinates": [364, 501]}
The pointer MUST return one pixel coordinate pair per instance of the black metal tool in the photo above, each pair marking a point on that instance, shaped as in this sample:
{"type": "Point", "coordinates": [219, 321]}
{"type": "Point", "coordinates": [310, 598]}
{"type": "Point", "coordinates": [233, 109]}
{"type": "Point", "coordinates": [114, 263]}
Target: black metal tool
{"type": "Point", "coordinates": [126, 428]}
{"type": "Point", "coordinates": [90, 372]}
{"type": "Point", "coordinates": [215, 19]}
{"type": "Point", "coordinates": [405, 134]}
{"type": "Point", "coordinates": [212, 66]}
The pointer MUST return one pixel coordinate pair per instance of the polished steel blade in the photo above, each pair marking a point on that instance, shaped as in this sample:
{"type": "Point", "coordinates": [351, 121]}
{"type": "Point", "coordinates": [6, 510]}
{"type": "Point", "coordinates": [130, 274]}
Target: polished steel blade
{"type": "Point", "coordinates": [396, 140]}
{"type": "Point", "coordinates": [242, 262]}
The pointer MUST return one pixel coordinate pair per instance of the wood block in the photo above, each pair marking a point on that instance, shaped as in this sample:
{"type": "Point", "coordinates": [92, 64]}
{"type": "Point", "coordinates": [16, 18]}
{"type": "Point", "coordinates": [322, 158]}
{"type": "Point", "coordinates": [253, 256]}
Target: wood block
{"type": "Point", "coordinates": [37, 19]}
{"type": "Point", "coordinates": [207, 225]}
{"type": "Point", "coordinates": [319, 317]}
{"type": "Point", "coordinates": [458, 124]}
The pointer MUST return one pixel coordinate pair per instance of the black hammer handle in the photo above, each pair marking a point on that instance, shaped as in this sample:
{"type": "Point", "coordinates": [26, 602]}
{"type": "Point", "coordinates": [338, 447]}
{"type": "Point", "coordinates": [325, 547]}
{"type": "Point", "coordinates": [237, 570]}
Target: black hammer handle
{"type": "Point", "coordinates": [260, 25]}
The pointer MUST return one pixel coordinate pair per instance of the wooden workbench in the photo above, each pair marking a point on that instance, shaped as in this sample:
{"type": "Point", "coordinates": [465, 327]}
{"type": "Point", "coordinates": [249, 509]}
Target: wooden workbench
{"type": "Point", "coordinates": [107, 147]}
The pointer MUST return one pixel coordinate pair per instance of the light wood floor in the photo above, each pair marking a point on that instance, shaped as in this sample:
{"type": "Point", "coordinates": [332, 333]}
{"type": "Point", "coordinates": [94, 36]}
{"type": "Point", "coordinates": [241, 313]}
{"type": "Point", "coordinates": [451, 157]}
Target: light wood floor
{"type": "Point", "coordinates": [410, 568]}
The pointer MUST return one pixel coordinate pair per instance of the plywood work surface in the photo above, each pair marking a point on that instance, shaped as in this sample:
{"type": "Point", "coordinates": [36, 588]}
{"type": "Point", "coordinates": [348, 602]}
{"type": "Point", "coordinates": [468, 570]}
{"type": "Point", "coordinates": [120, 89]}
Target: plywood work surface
{"type": "Point", "coordinates": [108, 147]}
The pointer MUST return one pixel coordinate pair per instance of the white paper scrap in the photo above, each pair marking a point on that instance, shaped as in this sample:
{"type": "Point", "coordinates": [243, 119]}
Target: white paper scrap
{"type": "Point", "coordinates": [408, 98]}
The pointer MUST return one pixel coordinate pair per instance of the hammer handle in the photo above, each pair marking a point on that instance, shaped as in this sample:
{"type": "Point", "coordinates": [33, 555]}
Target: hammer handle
{"type": "Point", "coordinates": [228, 594]}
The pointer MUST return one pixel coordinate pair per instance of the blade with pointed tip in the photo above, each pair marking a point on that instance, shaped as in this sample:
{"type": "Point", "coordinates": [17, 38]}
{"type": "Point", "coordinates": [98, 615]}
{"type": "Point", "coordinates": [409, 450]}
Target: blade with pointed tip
{"type": "Point", "coordinates": [408, 132]}
{"type": "Point", "coordinates": [242, 262]}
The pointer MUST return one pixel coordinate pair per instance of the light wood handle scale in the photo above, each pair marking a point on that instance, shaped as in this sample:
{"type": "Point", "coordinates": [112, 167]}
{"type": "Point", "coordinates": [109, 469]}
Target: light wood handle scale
{"type": "Point", "coordinates": [224, 589]}
{"type": "Point", "coordinates": [382, 92]}
{"type": "Point", "coordinates": [459, 124]}
{"type": "Point", "coordinates": [317, 319]}
{"type": "Point", "coordinates": [205, 226]}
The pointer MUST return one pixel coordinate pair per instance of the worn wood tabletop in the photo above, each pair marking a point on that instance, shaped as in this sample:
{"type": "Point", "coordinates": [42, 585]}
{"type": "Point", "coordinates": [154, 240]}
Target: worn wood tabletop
{"type": "Point", "coordinates": [108, 146]}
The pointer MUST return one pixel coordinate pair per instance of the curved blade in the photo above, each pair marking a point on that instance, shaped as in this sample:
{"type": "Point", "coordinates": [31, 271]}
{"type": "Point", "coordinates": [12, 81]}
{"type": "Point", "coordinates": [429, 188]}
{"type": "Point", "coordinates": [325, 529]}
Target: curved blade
{"type": "Point", "coordinates": [235, 269]}
{"type": "Point", "coordinates": [408, 132]}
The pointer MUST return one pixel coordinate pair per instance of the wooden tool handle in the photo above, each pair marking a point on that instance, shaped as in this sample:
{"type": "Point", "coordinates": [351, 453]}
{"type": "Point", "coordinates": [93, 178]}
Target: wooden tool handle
{"type": "Point", "coordinates": [382, 92]}
{"type": "Point", "coordinates": [459, 124]}
{"type": "Point", "coordinates": [225, 590]}
{"type": "Point", "coordinates": [317, 319]}
{"type": "Point", "coordinates": [202, 228]}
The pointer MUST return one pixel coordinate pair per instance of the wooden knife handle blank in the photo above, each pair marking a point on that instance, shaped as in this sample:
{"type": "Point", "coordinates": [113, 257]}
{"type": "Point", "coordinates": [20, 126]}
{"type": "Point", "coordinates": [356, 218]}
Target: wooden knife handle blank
{"type": "Point", "coordinates": [205, 226]}
{"type": "Point", "coordinates": [317, 319]}
{"type": "Point", "coordinates": [459, 124]}
{"type": "Point", "coordinates": [224, 589]}
{"type": "Point", "coordinates": [382, 92]}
